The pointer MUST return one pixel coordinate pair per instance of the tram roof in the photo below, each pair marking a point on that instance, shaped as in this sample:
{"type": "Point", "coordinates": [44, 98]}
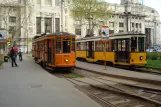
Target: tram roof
{"type": "Point", "coordinates": [54, 34]}
{"type": "Point", "coordinates": [126, 33]}
{"type": "Point", "coordinates": [60, 34]}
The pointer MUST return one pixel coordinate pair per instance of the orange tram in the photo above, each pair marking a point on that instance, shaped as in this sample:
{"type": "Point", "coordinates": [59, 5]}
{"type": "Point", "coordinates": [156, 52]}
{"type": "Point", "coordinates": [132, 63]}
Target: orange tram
{"type": "Point", "coordinates": [56, 50]}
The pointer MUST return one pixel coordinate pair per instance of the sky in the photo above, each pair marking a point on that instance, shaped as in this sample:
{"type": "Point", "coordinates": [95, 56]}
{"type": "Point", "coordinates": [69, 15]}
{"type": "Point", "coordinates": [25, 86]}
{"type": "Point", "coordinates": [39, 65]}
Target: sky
{"type": "Point", "coordinates": [150, 3]}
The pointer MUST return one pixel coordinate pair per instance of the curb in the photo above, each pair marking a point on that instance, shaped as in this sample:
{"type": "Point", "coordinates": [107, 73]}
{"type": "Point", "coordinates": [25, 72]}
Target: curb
{"type": "Point", "coordinates": [156, 82]}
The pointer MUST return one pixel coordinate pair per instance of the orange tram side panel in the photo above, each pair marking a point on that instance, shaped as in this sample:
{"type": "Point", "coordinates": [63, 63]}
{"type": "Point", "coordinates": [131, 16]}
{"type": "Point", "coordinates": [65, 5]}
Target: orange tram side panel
{"type": "Point", "coordinates": [56, 50]}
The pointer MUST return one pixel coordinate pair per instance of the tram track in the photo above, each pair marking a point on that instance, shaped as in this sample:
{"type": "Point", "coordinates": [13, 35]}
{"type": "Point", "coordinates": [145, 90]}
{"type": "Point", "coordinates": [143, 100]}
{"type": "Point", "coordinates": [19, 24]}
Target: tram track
{"type": "Point", "coordinates": [125, 97]}
{"type": "Point", "coordinates": [122, 95]}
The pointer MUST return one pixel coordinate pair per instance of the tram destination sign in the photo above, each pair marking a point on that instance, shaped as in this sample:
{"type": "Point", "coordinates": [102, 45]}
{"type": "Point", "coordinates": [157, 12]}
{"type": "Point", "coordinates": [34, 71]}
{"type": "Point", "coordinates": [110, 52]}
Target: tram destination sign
{"type": "Point", "coordinates": [105, 32]}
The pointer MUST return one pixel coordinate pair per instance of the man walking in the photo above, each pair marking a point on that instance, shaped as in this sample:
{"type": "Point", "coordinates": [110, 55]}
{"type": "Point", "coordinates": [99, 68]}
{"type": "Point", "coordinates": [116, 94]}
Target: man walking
{"type": "Point", "coordinates": [13, 57]}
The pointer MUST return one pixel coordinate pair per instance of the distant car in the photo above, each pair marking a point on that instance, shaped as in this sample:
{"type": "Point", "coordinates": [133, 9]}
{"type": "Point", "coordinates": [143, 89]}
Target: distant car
{"type": "Point", "coordinates": [159, 50]}
{"type": "Point", "coordinates": [149, 50]}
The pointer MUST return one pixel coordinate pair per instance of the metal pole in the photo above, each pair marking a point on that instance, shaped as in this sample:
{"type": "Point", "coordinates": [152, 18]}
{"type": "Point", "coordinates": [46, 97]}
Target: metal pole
{"type": "Point", "coordinates": [27, 41]}
{"type": "Point", "coordinates": [127, 16]}
{"type": "Point", "coordinates": [105, 55]}
{"type": "Point", "coordinates": [62, 15]}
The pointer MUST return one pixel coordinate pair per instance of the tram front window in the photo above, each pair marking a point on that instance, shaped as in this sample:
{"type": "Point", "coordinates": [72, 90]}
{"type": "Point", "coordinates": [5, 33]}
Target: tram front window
{"type": "Point", "coordinates": [141, 44]}
{"type": "Point", "coordinates": [58, 45]}
{"type": "Point", "coordinates": [134, 44]}
{"type": "Point", "coordinates": [66, 46]}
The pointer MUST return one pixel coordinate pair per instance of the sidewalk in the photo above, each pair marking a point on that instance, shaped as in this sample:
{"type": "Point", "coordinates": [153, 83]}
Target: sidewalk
{"type": "Point", "coordinates": [116, 72]}
{"type": "Point", "coordinates": [30, 86]}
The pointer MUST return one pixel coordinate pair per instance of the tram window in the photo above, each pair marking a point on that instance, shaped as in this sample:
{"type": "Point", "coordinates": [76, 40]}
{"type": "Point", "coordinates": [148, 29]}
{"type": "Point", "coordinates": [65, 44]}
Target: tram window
{"type": "Point", "coordinates": [73, 44]}
{"type": "Point", "coordinates": [58, 47]}
{"type": "Point", "coordinates": [134, 44]}
{"type": "Point", "coordinates": [107, 46]}
{"type": "Point", "coordinates": [66, 46]}
{"type": "Point", "coordinates": [96, 46]}
{"type": "Point", "coordinates": [99, 46]}
{"type": "Point", "coordinates": [119, 45]}
{"type": "Point", "coordinates": [141, 44]}
{"type": "Point", "coordinates": [123, 45]}
{"type": "Point", "coordinates": [111, 46]}
{"type": "Point", "coordinates": [78, 46]}
{"type": "Point", "coordinates": [84, 46]}
{"type": "Point", "coordinates": [116, 45]}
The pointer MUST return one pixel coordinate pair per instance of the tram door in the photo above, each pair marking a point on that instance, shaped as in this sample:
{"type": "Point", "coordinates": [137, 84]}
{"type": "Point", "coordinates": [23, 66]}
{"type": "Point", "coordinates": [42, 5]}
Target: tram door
{"type": "Point", "coordinates": [51, 51]}
{"type": "Point", "coordinates": [122, 50]}
{"type": "Point", "coordinates": [90, 49]}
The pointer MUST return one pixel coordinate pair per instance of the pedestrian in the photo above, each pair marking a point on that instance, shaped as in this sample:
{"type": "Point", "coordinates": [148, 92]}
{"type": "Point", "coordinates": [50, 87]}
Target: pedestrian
{"type": "Point", "coordinates": [9, 54]}
{"type": "Point", "coordinates": [20, 55]}
{"type": "Point", "coordinates": [16, 51]}
{"type": "Point", "coordinates": [13, 57]}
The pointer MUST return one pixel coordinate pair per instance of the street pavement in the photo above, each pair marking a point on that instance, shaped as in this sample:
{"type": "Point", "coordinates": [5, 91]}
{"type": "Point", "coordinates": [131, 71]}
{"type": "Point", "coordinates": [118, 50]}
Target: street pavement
{"type": "Point", "coordinates": [30, 86]}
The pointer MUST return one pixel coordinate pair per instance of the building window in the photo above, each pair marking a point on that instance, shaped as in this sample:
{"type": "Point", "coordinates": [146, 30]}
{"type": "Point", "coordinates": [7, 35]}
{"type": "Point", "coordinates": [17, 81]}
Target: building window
{"type": "Point", "coordinates": [88, 31]}
{"type": "Point", "coordinates": [66, 21]}
{"type": "Point", "coordinates": [132, 24]}
{"type": "Point", "coordinates": [121, 31]}
{"type": "Point", "coordinates": [121, 24]}
{"type": "Point", "coordinates": [11, 29]}
{"type": "Point", "coordinates": [78, 31]}
{"type": "Point", "coordinates": [57, 24]}
{"type": "Point", "coordinates": [48, 25]}
{"type": "Point", "coordinates": [119, 17]}
{"type": "Point", "coordinates": [140, 25]}
{"type": "Point", "coordinates": [111, 31]}
{"type": "Point", "coordinates": [112, 16]}
{"type": "Point", "coordinates": [38, 1]}
{"type": "Point", "coordinates": [12, 19]}
{"type": "Point", "coordinates": [48, 2]}
{"type": "Point", "coordinates": [136, 25]}
{"type": "Point", "coordinates": [111, 24]}
{"type": "Point", "coordinates": [56, 2]}
{"type": "Point", "coordinates": [38, 25]}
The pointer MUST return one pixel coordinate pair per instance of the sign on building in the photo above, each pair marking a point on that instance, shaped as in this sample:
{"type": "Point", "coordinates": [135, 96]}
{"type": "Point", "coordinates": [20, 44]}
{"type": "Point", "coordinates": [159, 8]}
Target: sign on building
{"type": "Point", "coordinates": [105, 32]}
{"type": "Point", "coordinates": [3, 34]}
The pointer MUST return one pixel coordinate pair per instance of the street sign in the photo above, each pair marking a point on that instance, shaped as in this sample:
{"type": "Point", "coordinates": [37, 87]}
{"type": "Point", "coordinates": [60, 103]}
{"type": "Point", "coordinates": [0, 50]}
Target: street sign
{"type": "Point", "coordinates": [104, 32]}
{"type": "Point", "coordinates": [3, 34]}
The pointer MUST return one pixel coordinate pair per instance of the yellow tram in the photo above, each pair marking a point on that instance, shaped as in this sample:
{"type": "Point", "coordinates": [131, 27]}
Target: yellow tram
{"type": "Point", "coordinates": [121, 49]}
{"type": "Point", "coordinates": [56, 50]}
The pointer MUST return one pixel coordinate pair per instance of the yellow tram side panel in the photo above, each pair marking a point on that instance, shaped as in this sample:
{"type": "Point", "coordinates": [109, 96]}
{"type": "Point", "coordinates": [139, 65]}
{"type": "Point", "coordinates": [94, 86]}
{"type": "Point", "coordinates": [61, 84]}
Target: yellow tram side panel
{"type": "Point", "coordinates": [100, 56]}
{"type": "Point", "coordinates": [135, 58]}
{"type": "Point", "coordinates": [81, 54]}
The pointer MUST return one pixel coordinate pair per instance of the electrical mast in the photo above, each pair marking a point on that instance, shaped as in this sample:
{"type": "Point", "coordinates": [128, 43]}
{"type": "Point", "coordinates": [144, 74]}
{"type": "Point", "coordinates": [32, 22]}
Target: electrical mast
{"type": "Point", "coordinates": [127, 15]}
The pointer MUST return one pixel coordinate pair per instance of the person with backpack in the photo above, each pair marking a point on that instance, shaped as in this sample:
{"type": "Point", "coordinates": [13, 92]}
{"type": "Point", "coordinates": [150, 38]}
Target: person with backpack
{"type": "Point", "coordinates": [13, 57]}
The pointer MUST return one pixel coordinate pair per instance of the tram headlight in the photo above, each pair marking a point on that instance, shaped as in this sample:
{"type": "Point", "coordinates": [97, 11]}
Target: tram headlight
{"type": "Point", "coordinates": [66, 60]}
{"type": "Point", "coordinates": [141, 57]}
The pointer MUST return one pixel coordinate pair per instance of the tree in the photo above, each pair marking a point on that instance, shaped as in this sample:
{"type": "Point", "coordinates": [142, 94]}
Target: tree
{"type": "Point", "coordinates": [11, 8]}
{"type": "Point", "coordinates": [89, 12]}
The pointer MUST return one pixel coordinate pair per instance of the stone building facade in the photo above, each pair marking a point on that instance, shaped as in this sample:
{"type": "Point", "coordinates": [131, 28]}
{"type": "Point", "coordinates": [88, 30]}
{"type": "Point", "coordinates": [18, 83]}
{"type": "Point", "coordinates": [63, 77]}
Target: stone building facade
{"type": "Point", "coordinates": [30, 18]}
